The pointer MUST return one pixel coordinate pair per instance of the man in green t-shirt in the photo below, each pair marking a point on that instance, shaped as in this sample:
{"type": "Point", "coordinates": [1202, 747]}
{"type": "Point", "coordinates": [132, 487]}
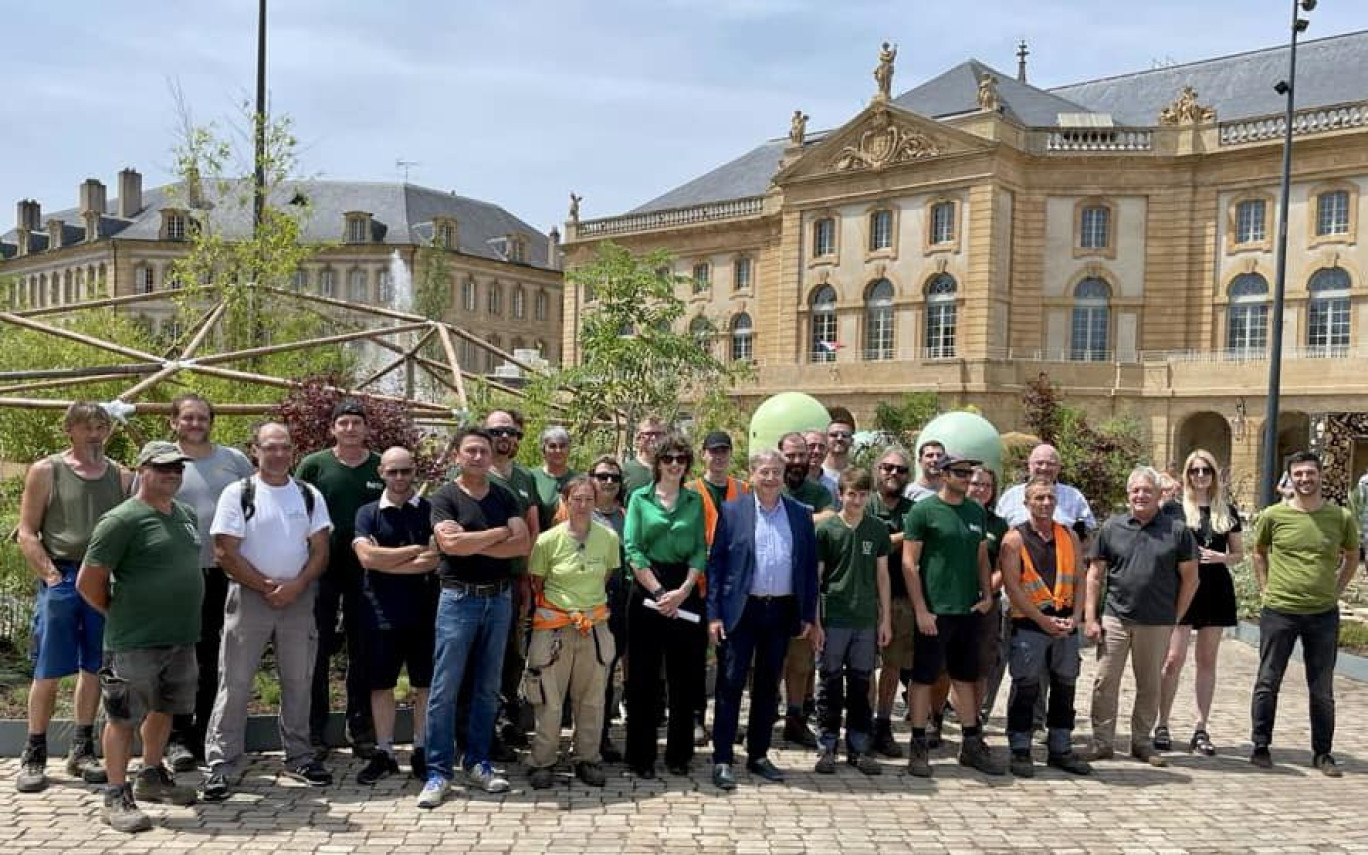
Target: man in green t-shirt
{"type": "Point", "coordinates": [141, 571]}
{"type": "Point", "coordinates": [1305, 553]}
{"type": "Point", "coordinates": [853, 622]}
{"type": "Point", "coordinates": [636, 470]}
{"type": "Point", "coordinates": [552, 475]}
{"type": "Point", "coordinates": [945, 559]}
{"type": "Point", "coordinates": [348, 476]}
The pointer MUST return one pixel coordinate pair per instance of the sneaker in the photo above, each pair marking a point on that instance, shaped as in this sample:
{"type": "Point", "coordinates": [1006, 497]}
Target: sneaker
{"type": "Point", "coordinates": [826, 762]}
{"type": "Point", "coordinates": [121, 813]}
{"type": "Point", "coordinates": [215, 787]}
{"type": "Point", "coordinates": [884, 743]}
{"type": "Point", "coordinates": [482, 775]}
{"type": "Point", "coordinates": [1021, 764]}
{"type": "Point", "coordinates": [866, 764]}
{"type": "Point", "coordinates": [591, 774]}
{"type": "Point", "coordinates": [82, 763]}
{"type": "Point", "coordinates": [1261, 757]}
{"type": "Point", "coordinates": [418, 763]}
{"type": "Point", "coordinates": [1201, 744]}
{"type": "Point", "coordinates": [541, 778]}
{"type": "Point", "coordinates": [1326, 764]}
{"type": "Point", "coordinates": [918, 764]}
{"type": "Point", "coordinates": [433, 791]}
{"type": "Point", "coordinates": [976, 754]}
{"type": "Point", "coordinates": [310, 772]}
{"type": "Point", "coordinates": [1162, 740]}
{"type": "Point", "coordinates": [156, 784]}
{"type": "Point", "coordinates": [1069, 762]}
{"type": "Point", "coordinates": [796, 730]}
{"type": "Point", "coordinates": [381, 765]}
{"type": "Point", "coordinates": [180, 758]}
{"type": "Point", "coordinates": [32, 776]}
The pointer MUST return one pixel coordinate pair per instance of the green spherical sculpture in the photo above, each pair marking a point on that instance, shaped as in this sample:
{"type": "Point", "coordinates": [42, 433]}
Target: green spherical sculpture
{"type": "Point", "coordinates": [968, 435]}
{"type": "Point", "coordinates": [782, 413]}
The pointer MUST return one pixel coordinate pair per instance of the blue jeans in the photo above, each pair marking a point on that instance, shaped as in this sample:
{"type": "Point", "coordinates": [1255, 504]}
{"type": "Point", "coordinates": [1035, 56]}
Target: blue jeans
{"type": "Point", "coordinates": [1278, 633]}
{"type": "Point", "coordinates": [471, 633]}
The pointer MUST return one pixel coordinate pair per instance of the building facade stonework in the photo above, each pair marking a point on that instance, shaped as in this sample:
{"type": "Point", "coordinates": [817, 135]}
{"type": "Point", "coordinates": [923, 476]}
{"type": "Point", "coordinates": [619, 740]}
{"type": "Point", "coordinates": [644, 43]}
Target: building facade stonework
{"type": "Point", "coordinates": [1116, 235]}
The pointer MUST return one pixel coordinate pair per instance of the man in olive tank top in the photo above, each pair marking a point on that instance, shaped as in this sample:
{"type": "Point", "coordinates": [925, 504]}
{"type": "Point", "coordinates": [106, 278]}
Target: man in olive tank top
{"type": "Point", "coordinates": [65, 494]}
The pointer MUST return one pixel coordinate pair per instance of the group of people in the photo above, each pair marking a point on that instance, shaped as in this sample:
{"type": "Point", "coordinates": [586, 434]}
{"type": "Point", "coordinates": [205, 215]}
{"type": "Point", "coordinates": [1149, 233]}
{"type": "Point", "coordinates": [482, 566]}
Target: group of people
{"type": "Point", "coordinates": [513, 597]}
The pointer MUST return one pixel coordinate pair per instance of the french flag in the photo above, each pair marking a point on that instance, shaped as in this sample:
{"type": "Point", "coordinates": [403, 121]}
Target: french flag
{"type": "Point", "coordinates": [829, 346]}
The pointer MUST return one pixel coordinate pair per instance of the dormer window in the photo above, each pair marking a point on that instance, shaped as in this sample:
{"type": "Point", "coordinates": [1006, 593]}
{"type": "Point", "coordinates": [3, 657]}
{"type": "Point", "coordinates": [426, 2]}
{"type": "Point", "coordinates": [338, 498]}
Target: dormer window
{"type": "Point", "coordinates": [175, 226]}
{"type": "Point", "coordinates": [444, 234]}
{"type": "Point", "coordinates": [358, 227]}
{"type": "Point", "coordinates": [516, 248]}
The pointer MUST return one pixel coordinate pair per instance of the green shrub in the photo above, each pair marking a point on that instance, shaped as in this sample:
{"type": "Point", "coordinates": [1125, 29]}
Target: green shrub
{"type": "Point", "coordinates": [1353, 635]}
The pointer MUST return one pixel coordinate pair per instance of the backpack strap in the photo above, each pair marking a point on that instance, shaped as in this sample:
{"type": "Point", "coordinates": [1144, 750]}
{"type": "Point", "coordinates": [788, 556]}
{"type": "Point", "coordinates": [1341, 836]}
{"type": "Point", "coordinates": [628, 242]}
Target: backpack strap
{"type": "Point", "coordinates": [248, 498]}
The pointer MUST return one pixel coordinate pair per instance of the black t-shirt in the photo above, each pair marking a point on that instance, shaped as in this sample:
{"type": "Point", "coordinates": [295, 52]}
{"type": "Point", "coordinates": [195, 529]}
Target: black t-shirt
{"type": "Point", "coordinates": [493, 511]}
{"type": "Point", "coordinates": [398, 599]}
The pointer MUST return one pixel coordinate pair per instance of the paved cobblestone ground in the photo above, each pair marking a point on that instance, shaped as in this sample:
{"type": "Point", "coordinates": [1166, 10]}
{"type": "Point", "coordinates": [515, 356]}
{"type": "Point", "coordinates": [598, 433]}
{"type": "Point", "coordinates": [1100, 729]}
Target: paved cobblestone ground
{"type": "Point", "coordinates": [1198, 804]}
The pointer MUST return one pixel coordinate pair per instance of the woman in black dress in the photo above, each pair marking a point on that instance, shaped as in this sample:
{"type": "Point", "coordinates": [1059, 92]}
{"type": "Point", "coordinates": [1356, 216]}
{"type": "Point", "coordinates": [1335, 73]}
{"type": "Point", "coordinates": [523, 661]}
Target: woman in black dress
{"type": "Point", "coordinates": [1215, 523]}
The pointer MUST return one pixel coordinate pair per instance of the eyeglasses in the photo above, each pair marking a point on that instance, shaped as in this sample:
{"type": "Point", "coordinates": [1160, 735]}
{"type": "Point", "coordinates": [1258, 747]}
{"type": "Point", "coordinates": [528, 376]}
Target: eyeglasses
{"type": "Point", "coordinates": [839, 434]}
{"type": "Point", "coordinates": [404, 471]}
{"type": "Point", "coordinates": [894, 468]}
{"type": "Point", "coordinates": [958, 472]}
{"type": "Point", "coordinates": [506, 431]}
{"type": "Point", "coordinates": [676, 459]}
{"type": "Point", "coordinates": [555, 446]}
{"type": "Point", "coordinates": [608, 476]}
{"type": "Point", "coordinates": [1201, 470]}
{"type": "Point", "coordinates": [650, 434]}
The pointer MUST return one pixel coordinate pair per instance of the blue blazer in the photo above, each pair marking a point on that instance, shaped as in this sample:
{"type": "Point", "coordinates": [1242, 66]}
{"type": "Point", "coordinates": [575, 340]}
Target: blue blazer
{"type": "Point", "coordinates": [731, 561]}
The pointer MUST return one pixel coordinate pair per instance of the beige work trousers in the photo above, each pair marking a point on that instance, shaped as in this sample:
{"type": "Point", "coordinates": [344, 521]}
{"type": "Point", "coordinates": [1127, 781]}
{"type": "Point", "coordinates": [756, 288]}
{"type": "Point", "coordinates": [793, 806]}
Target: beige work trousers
{"type": "Point", "coordinates": [1145, 645]}
{"type": "Point", "coordinates": [565, 664]}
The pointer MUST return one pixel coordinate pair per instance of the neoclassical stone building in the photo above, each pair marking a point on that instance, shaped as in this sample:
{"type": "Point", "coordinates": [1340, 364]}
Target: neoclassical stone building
{"type": "Point", "coordinates": [1117, 234]}
{"type": "Point", "coordinates": [504, 276]}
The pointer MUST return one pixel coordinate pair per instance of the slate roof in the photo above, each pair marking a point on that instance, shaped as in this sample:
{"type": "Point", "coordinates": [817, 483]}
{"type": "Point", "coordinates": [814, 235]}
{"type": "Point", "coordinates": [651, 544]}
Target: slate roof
{"type": "Point", "coordinates": [401, 214]}
{"type": "Point", "coordinates": [956, 91]}
{"type": "Point", "coordinates": [748, 175]}
{"type": "Point", "coordinates": [1331, 70]}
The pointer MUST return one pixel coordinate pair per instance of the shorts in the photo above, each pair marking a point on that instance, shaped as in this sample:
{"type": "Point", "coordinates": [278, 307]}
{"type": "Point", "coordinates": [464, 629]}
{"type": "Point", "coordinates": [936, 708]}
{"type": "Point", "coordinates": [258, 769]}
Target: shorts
{"type": "Point", "coordinates": [149, 679]}
{"type": "Point", "coordinates": [388, 650]}
{"type": "Point", "coordinates": [68, 634]}
{"type": "Point", "coordinates": [898, 653]}
{"type": "Point", "coordinates": [954, 649]}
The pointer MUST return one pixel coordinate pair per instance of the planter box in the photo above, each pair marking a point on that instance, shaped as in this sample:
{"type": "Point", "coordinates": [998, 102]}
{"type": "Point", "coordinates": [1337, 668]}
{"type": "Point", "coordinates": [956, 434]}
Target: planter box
{"type": "Point", "coordinates": [1346, 664]}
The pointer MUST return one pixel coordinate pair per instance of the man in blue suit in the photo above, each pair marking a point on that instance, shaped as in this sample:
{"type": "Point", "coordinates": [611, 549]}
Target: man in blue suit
{"type": "Point", "coordinates": [762, 591]}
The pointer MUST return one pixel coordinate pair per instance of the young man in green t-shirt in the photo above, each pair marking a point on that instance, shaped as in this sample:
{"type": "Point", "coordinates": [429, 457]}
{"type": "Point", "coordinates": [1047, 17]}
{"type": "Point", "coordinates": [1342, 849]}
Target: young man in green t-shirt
{"type": "Point", "coordinates": [854, 620]}
{"type": "Point", "coordinates": [945, 560]}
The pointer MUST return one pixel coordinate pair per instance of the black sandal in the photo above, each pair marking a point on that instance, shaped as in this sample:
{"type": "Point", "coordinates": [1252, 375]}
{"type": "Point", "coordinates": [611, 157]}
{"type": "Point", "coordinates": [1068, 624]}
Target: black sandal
{"type": "Point", "coordinates": [1201, 744]}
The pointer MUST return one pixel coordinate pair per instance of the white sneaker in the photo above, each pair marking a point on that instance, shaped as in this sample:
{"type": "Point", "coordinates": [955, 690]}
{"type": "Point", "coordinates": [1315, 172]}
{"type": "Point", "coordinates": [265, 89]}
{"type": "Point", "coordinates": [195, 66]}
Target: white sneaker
{"type": "Point", "coordinates": [482, 775]}
{"type": "Point", "coordinates": [433, 792]}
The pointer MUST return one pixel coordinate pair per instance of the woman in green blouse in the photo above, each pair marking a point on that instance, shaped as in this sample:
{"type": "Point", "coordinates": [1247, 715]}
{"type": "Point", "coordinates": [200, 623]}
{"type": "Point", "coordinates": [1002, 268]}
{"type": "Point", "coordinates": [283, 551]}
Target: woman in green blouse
{"type": "Point", "coordinates": [666, 552]}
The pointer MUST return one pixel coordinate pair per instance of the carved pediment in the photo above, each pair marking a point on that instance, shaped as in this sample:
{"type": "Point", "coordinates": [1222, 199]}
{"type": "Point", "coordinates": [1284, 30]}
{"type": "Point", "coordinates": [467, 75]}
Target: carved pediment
{"type": "Point", "coordinates": [885, 142]}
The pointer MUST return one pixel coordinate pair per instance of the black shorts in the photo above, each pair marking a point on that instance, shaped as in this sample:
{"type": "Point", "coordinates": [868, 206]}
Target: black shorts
{"type": "Point", "coordinates": [388, 650]}
{"type": "Point", "coordinates": [954, 649]}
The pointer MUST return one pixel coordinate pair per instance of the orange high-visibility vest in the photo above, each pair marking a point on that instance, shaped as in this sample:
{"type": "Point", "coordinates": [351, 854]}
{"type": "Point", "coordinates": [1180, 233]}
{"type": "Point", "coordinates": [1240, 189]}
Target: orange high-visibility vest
{"type": "Point", "coordinates": [1062, 597]}
{"type": "Point", "coordinates": [735, 488]}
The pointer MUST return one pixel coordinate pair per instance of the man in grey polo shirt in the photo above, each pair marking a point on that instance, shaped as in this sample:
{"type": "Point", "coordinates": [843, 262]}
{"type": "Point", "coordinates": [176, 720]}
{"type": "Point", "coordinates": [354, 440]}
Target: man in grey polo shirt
{"type": "Point", "coordinates": [1150, 563]}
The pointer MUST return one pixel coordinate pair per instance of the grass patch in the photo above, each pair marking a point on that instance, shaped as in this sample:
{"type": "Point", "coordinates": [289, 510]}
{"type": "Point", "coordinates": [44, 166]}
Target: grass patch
{"type": "Point", "coordinates": [1353, 637]}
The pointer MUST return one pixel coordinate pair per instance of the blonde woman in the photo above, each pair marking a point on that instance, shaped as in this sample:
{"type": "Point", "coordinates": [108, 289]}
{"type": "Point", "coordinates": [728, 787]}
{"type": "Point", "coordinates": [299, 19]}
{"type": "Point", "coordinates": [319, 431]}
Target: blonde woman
{"type": "Point", "coordinates": [1215, 523]}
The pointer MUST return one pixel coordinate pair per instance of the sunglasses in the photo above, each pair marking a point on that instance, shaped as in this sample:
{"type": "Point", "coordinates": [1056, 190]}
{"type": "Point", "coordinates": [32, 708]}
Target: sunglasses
{"type": "Point", "coordinates": [677, 459]}
{"type": "Point", "coordinates": [506, 431]}
{"type": "Point", "coordinates": [608, 476]}
{"type": "Point", "coordinates": [555, 446]}
{"type": "Point", "coordinates": [405, 471]}
{"type": "Point", "coordinates": [1201, 470]}
{"type": "Point", "coordinates": [895, 468]}
{"type": "Point", "coordinates": [168, 467]}
{"type": "Point", "coordinates": [839, 434]}
{"type": "Point", "coordinates": [958, 472]}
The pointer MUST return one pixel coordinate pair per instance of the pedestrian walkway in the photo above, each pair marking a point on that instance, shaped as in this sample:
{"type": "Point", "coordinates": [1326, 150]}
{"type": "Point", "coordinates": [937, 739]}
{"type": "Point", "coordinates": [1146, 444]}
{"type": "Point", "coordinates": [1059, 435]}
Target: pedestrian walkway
{"type": "Point", "coordinates": [1219, 804]}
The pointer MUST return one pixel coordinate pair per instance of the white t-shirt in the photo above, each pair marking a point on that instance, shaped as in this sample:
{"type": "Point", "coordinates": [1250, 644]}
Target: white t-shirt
{"type": "Point", "coordinates": [276, 539]}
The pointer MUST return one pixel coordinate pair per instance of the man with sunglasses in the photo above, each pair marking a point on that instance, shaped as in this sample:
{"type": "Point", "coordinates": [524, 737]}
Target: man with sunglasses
{"type": "Point", "coordinates": [890, 506]}
{"type": "Point", "coordinates": [945, 562]}
{"type": "Point", "coordinates": [840, 436]}
{"type": "Point", "coordinates": [636, 470]}
{"type": "Point", "coordinates": [393, 543]}
{"type": "Point", "coordinates": [141, 571]}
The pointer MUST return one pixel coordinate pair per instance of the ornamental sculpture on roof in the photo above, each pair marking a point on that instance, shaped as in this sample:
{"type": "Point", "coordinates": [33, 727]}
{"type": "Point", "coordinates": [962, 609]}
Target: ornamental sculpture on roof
{"type": "Point", "coordinates": [987, 93]}
{"type": "Point", "coordinates": [884, 144]}
{"type": "Point", "coordinates": [798, 127]}
{"type": "Point", "coordinates": [883, 73]}
{"type": "Point", "coordinates": [1186, 111]}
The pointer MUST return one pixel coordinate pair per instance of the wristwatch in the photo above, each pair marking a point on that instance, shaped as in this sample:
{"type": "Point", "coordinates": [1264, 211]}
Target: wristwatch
{"type": "Point", "coordinates": [658, 592]}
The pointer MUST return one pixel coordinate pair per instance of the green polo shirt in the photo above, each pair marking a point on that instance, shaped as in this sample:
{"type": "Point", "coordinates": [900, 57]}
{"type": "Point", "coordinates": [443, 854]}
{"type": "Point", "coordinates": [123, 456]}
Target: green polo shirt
{"type": "Point", "coordinates": [950, 536]}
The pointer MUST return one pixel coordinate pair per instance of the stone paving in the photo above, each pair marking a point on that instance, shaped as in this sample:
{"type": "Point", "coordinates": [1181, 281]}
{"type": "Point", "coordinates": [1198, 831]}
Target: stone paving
{"type": "Point", "coordinates": [1219, 804]}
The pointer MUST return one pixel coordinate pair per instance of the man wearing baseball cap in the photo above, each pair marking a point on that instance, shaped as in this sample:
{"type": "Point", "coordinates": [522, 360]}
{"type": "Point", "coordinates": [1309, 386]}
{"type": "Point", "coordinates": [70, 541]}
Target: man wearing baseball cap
{"type": "Point", "coordinates": [945, 563]}
{"type": "Point", "coordinates": [141, 571]}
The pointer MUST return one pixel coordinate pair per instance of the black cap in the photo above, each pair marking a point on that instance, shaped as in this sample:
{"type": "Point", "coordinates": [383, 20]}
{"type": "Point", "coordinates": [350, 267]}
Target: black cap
{"type": "Point", "coordinates": [717, 439]}
{"type": "Point", "coordinates": [349, 407]}
{"type": "Point", "coordinates": [951, 458]}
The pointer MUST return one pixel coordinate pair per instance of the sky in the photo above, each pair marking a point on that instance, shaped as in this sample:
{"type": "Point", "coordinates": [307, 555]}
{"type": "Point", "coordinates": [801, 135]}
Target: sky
{"type": "Point", "coordinates": [520, 102]}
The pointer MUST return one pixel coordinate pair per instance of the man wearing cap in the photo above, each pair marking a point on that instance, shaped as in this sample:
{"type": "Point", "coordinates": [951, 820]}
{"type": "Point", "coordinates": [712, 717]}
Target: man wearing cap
{"type": "Point", "coordinates": [348, 476]}
{"type": "Point", "coordinates": [945, 559]}
{"type": "Point", "coordinates": [142, 572]}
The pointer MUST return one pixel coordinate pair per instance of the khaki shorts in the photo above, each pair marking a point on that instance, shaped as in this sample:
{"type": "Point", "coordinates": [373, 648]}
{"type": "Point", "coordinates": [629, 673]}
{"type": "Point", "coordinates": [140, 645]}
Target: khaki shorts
{"type": "Point", "coordinates": [898, 653]}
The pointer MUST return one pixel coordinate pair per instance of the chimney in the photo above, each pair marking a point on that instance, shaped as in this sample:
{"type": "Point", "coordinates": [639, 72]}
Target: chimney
{"type": "Point", "coordinates": [92, 196]}
{"type": "Point", "coordinates": [130, 193]}
{"type": "Point", "coordinates": [55, 230]}
{"type": "Point", "coordinates": [29, 215]}
{"type": "Point", "coordinates": [553, 259]}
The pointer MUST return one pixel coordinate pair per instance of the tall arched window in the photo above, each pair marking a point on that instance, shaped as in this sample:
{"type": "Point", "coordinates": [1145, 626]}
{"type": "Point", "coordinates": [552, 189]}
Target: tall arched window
{"type": "Point", "coordinates": [823, 319]}
{"type": "Point", "coordinates": [1091, 321]}
{"type": "Point", "coordinates": [941, 316]}
{"type": "Point", "coordinates": [878, 330]}
{"type": "Point", "coordinates": [742, 338]}
{"type": "Point", "coordinates": [1327, 327]}
{"type": "Point", "coordinates": [1247, 315]}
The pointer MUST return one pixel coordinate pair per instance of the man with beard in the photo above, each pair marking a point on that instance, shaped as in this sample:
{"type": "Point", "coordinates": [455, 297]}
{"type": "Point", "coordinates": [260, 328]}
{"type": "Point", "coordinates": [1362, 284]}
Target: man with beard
{"type": "Point", "coordinates": [840, 436]}
{"type": "Point", "coordinates": [800, 666]}
{"type": "Point", "coordinates": [817, 451]}
{"type": "Point", "coordinates": [890, 506]}
{"type": "Point", "coordinates": [348, 476]}
{"type": "Point", "coordinates": [209, 468]}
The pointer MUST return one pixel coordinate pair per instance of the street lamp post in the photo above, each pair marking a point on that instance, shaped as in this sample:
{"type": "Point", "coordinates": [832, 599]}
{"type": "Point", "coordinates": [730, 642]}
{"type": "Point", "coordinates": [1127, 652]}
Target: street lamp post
{"type": "Point", "coordinates": [1271, 465]}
